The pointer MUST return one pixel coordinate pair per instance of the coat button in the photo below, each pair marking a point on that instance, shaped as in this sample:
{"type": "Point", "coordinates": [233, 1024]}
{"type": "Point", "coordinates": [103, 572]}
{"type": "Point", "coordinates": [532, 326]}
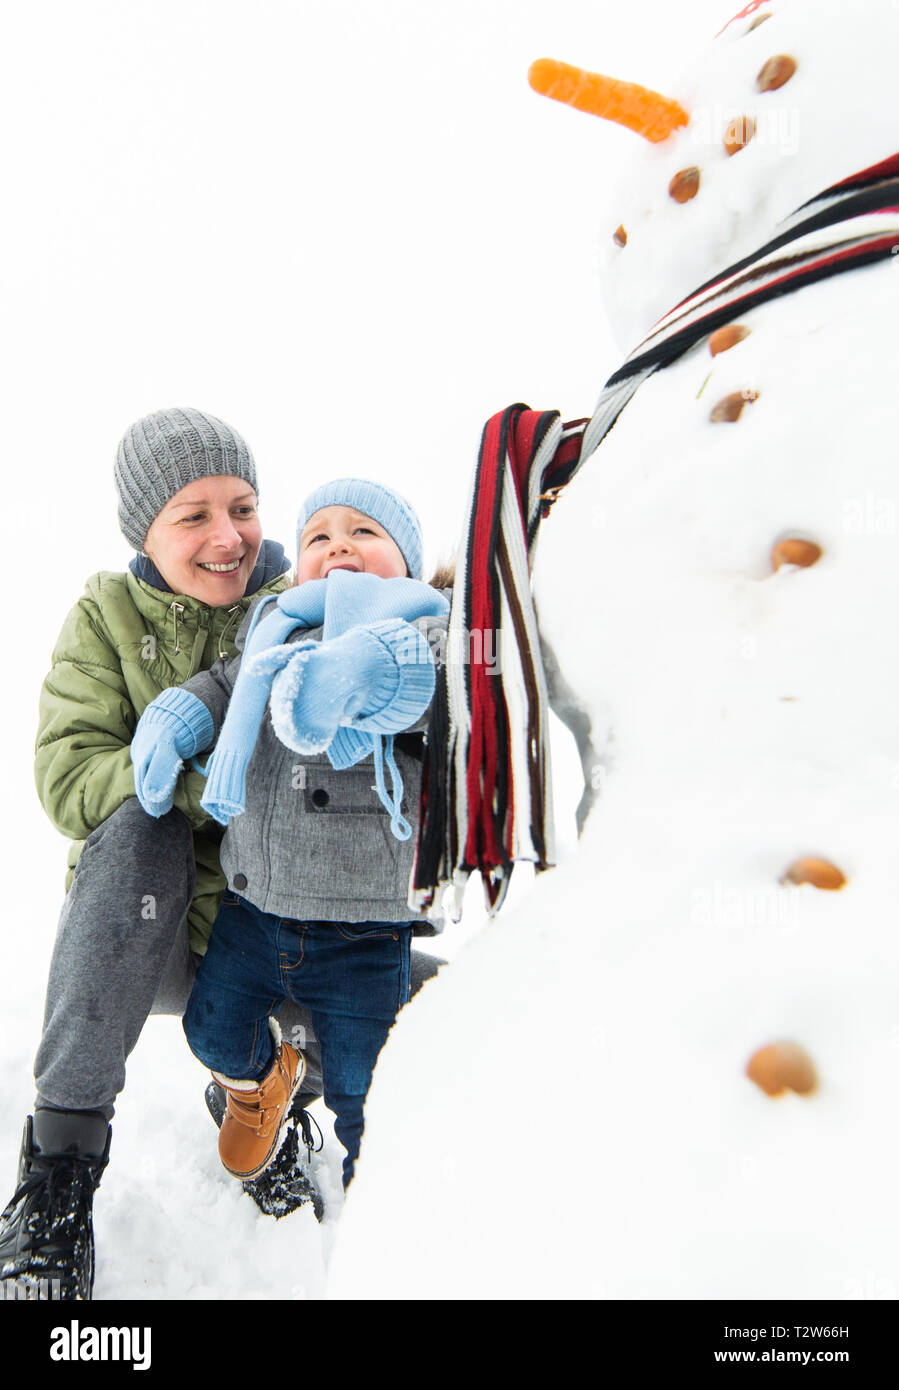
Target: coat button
{"type": "Point", "coordinates": [240, 881]}
{"type": "Point", "coordinates": [320, 798]}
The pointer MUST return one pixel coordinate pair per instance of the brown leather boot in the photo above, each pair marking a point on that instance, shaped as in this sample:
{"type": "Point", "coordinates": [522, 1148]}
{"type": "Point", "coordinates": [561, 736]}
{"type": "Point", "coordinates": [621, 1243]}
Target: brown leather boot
{"type": "Point", "coordinates": [248, 1138]}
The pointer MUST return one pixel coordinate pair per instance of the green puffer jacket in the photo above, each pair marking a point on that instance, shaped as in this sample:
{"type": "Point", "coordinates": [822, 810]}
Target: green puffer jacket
{"type": "Point", "coordinates": [123, 643]}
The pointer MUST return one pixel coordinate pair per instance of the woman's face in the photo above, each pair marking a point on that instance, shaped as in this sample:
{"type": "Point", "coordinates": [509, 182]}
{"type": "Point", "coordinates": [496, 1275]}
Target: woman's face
{"type": "Point", "coordinates": [340, 538]}
{"type": "Point", "coordinates": [206, 540]}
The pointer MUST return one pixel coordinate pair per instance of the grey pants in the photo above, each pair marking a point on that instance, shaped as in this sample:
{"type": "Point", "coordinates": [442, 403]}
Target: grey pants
{"type": "Point", "coordinates": [122, 953]}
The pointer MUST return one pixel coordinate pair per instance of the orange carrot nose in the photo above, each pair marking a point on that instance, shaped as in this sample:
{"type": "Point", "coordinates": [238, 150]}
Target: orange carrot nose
{"type": "Point", "coordinates": [638, 108]}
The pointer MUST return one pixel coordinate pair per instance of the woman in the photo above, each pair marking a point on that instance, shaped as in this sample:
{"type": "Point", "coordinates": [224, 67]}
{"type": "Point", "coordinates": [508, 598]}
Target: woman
{"type": "Point", "coordinates": [144, 892]}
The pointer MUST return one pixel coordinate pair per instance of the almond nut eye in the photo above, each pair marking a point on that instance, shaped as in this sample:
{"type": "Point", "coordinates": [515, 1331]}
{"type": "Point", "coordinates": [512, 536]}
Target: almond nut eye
{"type": "Point", "coordinates": [684, 185]}
{"type": "Point", "coordinates": [795, 551]}
{"type": "Point", "coordinates": [780, 1067]}
{"type": "Point", "coordinates": [820, 873]}
{"type": "Point", "coordinates": [730, 408]}
{"type": "Point", "coordinates": [723, 339]}
{"type": "Point", "coordinates": [619, 236]}
{"type": "Point", "coordinates": [738, 134]}
{"type": "Point", "coordinates": [775, 73]}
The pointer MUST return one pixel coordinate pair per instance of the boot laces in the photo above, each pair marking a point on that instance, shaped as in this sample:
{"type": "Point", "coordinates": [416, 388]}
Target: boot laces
{"type": "Point", "coordinates": [62, 1188]}
{"type": "Point", "coordinates": [305, 1122]}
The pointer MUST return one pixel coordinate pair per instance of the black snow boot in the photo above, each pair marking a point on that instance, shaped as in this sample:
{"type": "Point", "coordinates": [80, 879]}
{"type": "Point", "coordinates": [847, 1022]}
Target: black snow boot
{"type": "Point", "coordinates": [46, 1232]}
{"type": "Point", "coordinates": [286, 1183]}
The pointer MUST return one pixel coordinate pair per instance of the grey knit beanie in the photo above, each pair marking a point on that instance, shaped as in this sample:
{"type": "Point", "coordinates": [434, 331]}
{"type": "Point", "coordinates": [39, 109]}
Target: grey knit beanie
{"type": "Point", "coordinates": [163, 452]}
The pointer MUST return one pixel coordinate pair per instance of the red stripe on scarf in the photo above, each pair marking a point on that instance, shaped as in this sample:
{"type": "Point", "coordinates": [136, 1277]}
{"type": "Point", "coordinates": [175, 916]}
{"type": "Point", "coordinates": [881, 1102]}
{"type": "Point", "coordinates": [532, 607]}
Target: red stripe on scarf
{"type": "Point", "coordinates": [886, 169]}
{"type": "Point", "coordinates": [482, 846]}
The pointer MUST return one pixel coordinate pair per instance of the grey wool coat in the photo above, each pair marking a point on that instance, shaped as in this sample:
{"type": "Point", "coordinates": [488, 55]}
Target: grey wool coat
{"type": "Point", "coordinates": [314, 843]}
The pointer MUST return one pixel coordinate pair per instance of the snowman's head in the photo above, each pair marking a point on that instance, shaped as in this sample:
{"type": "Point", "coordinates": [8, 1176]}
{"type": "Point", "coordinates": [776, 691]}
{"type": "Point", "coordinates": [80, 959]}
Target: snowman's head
{"type": "Point", "coordinates": [790, 97]}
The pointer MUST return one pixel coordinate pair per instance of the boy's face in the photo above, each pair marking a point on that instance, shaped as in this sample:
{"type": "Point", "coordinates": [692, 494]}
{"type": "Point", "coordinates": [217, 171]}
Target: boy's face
{"type": "Point", "coordinates": [340, 538]}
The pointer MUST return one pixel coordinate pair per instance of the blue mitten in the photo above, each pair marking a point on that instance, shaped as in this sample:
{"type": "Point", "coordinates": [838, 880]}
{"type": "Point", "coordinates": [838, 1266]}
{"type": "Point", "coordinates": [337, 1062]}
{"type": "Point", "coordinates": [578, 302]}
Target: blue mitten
{"type": "Point", "coordinates": [379, 678]}
{"type": "Point", "coordinates": [174, 726]}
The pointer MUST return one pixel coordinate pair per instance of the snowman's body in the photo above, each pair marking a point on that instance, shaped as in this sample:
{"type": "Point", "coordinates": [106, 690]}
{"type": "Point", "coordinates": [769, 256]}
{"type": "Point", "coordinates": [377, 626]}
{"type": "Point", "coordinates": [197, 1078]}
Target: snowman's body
{"type": "Point", "coordinates": [740, 719]}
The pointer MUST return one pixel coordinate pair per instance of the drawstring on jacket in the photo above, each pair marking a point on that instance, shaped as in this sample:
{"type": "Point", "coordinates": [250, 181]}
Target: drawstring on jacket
{"type": "Point", "coordinates": [232, 613]}
{"type": "Point", "coordinates": [176, 610]}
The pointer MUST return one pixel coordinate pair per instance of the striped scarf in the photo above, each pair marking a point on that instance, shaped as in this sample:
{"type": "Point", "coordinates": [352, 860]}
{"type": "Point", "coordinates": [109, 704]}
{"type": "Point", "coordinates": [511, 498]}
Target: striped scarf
{"type": "Point", "coordinates": [486, 792]}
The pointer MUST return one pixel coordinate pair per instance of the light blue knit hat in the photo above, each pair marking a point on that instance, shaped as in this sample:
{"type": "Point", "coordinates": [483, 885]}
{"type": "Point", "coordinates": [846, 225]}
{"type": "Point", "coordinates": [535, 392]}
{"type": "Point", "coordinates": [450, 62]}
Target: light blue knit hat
{"type": "Point", "coordinates": [388, 508]}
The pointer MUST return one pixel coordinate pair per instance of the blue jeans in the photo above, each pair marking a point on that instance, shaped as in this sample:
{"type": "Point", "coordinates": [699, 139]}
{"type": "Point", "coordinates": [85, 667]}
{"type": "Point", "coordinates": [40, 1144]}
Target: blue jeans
{"type": "Point", "coordinates": [353, 979]}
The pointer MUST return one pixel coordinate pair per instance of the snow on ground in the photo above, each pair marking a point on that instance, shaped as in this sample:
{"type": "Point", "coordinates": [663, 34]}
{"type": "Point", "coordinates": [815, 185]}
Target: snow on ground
{"type": "Point", "coordinates": [172, 1224]}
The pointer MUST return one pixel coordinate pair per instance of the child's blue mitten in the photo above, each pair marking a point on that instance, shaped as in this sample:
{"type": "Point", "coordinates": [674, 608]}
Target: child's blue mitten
{"type": "Point", "coordinates": [379, 678]}
{"type": "Point", "coordinates": [174, 726]}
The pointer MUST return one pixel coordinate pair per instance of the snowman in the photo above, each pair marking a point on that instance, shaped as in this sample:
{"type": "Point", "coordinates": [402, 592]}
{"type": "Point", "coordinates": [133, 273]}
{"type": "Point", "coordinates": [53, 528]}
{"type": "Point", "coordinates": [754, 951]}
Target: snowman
{"type": "Point", "coordinates": [670, 1071]}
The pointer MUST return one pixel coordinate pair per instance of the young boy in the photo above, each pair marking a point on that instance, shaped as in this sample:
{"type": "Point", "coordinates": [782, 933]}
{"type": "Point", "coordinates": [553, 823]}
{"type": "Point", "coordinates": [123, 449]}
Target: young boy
{"type": "Point", "coordinates": [317, 858]}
